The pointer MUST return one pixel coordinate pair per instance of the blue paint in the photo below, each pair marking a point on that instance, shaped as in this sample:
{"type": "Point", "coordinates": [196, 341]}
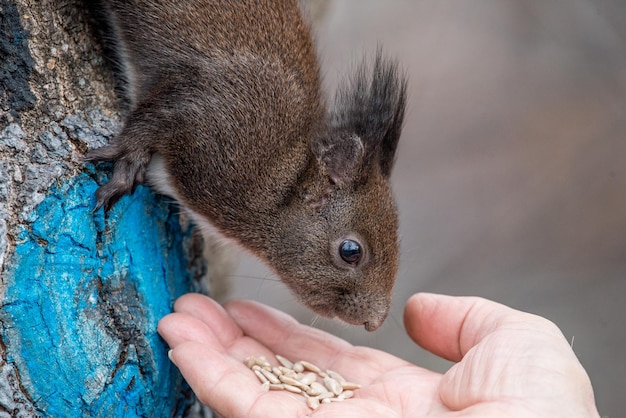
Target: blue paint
{"type": "Point", "coordinates": [72, 288]}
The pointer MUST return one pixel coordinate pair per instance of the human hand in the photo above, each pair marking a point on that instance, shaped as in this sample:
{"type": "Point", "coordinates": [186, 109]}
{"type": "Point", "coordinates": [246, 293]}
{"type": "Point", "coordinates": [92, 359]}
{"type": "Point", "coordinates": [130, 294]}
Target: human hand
{"type": "Point", "coordinates": [509, 363]}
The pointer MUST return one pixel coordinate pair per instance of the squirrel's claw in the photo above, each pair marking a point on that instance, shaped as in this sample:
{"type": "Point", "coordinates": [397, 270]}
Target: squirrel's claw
{"type": "Point", "coordinates": [129, 170]}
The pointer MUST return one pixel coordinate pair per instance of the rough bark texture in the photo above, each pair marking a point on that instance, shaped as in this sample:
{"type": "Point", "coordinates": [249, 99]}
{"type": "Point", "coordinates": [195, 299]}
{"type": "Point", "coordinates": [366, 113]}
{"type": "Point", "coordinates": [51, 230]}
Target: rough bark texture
{"type": "Point", "coordinates": [81, 291]}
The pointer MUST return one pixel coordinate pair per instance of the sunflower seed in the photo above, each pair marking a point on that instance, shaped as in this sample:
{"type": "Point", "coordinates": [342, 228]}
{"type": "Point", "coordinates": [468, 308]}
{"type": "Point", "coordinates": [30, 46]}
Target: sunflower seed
{"type": "Point", "coordinates": [261, 376]}
{"type": "Point", "coordinates": [337, 399]}
{"type": "Point", "coordinates": [291, 388]}
{"type": "Point", "coordinates": [347, 394]}
{"type": "Point", "coordinates": [332, 385]}
{"type": "Point", "coordinates": [350, 386]}
{"type": "Point", "coordinates": [298, 367]}
{"type": "Point", "coordinates": [325, 395]}
{"type": "Point", "coordinates": [291, 381]}
{"type": "Point", "coordinates": [302, 377]}
{"type": "Point", "coordinates": [270, 376]}
{"type": "Point", "coordinates": [339, 378]}
{"type": "Point", "coordinates": [316, 388]}
{"type": "Point", "coordinates": [308, 378]}
{"type": "Point", "coordinates": [313, 403]}
{"type": "Point", "coordinates": [286, 370]}
{"type": "Point", "coordinates": [282, 360]}
{"type": "Point", "coordinates": [310, 366]}
{"type": "Point", "coordinates": [262, 361]}
{"type": "Point", "coordinates": [250, 361]}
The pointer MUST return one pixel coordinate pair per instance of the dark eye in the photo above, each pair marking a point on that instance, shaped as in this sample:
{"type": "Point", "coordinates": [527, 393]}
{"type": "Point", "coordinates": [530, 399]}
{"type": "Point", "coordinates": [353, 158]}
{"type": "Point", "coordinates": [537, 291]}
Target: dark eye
{"type": "Point", "coordinates": [350, 251]}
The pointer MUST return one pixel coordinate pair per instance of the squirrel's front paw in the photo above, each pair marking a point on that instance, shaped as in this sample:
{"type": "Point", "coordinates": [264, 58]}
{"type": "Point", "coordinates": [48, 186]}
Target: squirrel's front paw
{"type": "Point", "coordinates": [129, 170]}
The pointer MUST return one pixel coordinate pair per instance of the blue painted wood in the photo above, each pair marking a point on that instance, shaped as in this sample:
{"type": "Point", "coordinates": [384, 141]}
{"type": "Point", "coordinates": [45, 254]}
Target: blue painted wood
{"type": "Point", "coordinates": [83, 294]}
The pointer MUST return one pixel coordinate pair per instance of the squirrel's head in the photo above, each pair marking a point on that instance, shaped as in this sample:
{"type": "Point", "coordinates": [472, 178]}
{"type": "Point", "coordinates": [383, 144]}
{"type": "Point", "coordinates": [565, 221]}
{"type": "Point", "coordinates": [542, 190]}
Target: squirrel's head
{"type": "Point", "coordinates": [337, 248]}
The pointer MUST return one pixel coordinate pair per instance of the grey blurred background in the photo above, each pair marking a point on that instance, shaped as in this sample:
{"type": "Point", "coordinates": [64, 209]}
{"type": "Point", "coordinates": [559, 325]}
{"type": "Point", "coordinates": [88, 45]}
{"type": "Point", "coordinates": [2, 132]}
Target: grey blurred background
{"type": "Point", "coordinates": [511, 173]}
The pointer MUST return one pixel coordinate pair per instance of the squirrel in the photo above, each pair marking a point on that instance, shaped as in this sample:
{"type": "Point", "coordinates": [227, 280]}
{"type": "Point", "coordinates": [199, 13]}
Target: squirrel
{"type": "Point", "coordinates": [227, 116]}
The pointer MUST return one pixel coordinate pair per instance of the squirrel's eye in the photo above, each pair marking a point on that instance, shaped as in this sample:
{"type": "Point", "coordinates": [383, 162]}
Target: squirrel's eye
{"type": "Point", "coordinates": [350, 251]}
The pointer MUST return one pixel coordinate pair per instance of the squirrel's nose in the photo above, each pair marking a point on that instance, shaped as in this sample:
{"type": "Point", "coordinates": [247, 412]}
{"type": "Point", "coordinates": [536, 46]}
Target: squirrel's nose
{"type": "Point", "coordinates": [369, 326]}
{"type": "Point", "coordinates": [374, 323]}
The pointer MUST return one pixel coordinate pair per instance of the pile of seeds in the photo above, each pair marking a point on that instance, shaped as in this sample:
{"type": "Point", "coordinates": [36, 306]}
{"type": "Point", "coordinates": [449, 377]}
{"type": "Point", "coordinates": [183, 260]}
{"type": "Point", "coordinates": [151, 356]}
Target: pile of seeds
{"type": "Point", "coordinates": [302, 377]}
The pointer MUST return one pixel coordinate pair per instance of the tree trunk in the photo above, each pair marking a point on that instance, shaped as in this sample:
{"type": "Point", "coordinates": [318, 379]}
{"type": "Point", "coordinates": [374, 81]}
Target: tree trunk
{"type": "Point", "coordinates": [81, 291]}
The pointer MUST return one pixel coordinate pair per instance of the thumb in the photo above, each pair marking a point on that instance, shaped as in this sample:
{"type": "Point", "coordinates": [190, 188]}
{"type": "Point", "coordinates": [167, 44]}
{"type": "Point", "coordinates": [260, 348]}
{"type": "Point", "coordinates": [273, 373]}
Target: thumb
{"type": "Point", "coordinates": [507, 354]}
{"type": "Point", "coordinates": [449, 326]}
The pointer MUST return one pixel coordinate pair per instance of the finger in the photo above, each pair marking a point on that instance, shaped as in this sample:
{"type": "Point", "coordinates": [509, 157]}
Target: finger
{"type": "Point", "coordinates": [283, 335]}
{"type": "Point", "coordinates": [212, 314]}
{"type": "Point", "coordinates": [228, 386]}
{"type": "Point", "coordinates": [178, 328]}
{"type": "Point", "coordinates": [449, 326]}
{"type": "Point", "coordinates": [273, 328]}
{"type": "Point", "coordinates": [202, 320]}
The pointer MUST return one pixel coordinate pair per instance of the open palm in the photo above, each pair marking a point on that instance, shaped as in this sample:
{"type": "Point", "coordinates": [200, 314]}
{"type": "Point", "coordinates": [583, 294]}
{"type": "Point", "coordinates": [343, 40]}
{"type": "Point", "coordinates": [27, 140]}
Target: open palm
{"type": "Point", "coordinates": [509, 363]}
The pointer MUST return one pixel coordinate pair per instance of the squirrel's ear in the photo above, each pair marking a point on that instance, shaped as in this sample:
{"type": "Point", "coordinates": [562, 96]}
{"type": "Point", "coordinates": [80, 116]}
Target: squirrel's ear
{"type": "Point", "coordinates": [371, 105]}
{"type": "Point", "coordinates": [340, 155]}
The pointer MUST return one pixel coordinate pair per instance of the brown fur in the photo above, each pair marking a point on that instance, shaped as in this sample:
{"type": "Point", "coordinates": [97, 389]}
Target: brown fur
{"type": "Point", "coordinates": [228, 94]}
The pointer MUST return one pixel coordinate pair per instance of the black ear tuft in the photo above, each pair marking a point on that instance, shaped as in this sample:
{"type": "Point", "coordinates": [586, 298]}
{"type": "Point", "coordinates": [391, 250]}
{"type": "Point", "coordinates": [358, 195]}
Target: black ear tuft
{"type": "Point", "coordinates": [371, 104]}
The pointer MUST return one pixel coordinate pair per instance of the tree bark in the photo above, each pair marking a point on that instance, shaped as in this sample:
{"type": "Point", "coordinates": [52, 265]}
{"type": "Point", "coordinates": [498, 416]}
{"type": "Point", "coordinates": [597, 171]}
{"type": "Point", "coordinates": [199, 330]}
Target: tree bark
{"type": "Point", "coordinates": [81, 291]}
